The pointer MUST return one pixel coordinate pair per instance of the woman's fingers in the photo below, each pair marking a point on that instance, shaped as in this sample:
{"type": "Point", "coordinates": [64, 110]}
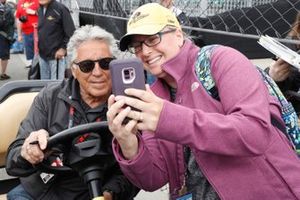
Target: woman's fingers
{"type": "Point", "coordinates": [118, 120]}
{"type": "Point", "coordinates": [133, 102]}
{"type": "Point", "coordinates": [111, 100]}
{"type": "Point", "coordinates": [144, 95]}
{"type": "Point", "coordinates": [114, 109]}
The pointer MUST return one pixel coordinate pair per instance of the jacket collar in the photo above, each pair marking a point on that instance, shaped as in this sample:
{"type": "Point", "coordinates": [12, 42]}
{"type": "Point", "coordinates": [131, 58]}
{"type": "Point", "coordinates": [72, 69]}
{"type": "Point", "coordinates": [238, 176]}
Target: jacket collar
{"type": "Point", "coordinates": [70, 91]}
{"type": "Point", "coordinates": [178, 65]}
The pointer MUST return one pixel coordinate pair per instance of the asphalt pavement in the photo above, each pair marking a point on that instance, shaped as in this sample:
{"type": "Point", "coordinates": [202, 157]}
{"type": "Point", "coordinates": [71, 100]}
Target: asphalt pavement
{"type": "Point", "coordinates": [16, 68]}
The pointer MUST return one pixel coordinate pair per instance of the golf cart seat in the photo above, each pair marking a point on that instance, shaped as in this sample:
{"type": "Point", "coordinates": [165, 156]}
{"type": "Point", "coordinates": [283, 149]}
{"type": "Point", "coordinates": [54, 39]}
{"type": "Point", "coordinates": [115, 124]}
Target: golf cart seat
{"type": "Point", "coordinates": [16, 98]}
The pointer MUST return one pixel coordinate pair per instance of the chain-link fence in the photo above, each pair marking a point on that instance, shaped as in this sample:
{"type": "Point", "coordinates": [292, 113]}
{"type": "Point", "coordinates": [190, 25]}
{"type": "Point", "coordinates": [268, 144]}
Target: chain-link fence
{"type": "Point", "coordinates": [228, 22]}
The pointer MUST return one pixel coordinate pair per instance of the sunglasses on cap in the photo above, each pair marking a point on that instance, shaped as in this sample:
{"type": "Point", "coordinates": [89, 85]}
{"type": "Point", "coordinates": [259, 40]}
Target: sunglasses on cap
{"type": "Point", "coordinates": [86, 66]}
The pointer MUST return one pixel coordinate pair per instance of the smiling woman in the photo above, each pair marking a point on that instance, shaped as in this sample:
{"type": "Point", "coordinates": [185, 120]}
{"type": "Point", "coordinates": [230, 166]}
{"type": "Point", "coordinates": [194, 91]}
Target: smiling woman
{"type": "Point", "coordinates": [205, 149]}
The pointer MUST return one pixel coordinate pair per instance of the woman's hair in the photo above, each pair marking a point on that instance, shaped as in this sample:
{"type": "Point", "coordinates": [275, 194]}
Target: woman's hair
{"type": "Point", "coordinates": [89, 32]}
{"type": "Point", "coordinates": [295, 30]}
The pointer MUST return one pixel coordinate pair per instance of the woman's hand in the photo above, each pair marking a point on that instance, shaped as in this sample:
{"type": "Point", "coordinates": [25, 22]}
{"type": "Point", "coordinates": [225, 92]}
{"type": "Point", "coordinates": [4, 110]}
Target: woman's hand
{"type": "Point", "coordinates": [149, 107]}
{"type": "Point", "coordinates": [124, 133]}
{"type": "Point", "coordinates": [146, 117]}
{"type": "Point", "coordinates": [280, 70]}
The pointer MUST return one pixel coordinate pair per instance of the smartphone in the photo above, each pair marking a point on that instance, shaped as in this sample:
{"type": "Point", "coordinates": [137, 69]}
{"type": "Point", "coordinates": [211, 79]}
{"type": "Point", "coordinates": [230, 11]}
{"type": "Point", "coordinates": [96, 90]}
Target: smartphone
{"type": "Point", "coordinates": [126, 73]}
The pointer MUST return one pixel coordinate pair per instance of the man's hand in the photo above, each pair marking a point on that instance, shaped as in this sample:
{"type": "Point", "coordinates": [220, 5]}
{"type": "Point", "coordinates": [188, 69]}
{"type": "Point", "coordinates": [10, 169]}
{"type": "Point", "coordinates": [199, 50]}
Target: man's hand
{"type": "Point", "coordinates": [60, 53]}
{"type": "Point", "coordinates": [35, 143]}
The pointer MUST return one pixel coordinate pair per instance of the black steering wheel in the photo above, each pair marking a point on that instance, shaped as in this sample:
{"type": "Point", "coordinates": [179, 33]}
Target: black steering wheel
{"type": "Point", "coordinates": [67, 136]}
{"type": "Point", "coordinates": [90, 158]}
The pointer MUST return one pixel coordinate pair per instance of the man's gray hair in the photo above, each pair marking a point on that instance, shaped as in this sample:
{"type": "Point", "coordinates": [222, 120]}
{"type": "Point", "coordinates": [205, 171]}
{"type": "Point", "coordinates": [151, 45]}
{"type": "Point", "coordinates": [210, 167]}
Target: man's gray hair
{"type": "Point", "coordinates": [89, 32]}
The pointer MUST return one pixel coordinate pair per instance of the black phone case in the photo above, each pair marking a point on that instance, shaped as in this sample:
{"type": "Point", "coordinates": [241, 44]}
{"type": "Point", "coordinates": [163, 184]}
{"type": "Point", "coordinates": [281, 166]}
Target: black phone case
{"type": "Point", "coordinates": [126, 73]}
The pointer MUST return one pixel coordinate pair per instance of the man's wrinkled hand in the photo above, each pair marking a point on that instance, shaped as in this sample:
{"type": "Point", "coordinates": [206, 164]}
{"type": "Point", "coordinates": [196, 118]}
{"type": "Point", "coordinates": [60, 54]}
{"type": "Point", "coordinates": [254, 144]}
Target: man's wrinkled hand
{"type": "Point", "coordinates": [34, 144]}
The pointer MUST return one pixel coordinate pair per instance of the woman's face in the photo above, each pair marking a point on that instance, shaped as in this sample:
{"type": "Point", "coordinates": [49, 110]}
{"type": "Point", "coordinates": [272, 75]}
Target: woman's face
{"type": "Point", "coordinates": [94, 85]}
{"type": "Point", "coordinates": [153, 57]}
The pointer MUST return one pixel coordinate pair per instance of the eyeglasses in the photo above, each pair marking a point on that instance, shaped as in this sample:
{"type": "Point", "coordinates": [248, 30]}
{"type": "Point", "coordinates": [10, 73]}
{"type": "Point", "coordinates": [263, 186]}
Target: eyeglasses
{"type": "Point", "coordinates": [86, 66]}
{"type": "Point", "coordinates": [150, 41]}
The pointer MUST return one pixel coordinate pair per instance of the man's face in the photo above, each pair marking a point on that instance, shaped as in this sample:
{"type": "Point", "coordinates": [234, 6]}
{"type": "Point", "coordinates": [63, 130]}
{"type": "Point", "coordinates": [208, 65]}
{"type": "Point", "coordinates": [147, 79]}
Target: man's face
{"type": "Point", "coordinates": [44, 2]}
{"type": "Point", "coordinates": [97, 83]}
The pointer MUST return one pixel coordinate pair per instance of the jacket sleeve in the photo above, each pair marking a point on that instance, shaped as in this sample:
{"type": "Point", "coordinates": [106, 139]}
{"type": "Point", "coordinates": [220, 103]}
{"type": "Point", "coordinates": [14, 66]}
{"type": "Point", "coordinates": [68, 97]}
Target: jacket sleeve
{"type": "Point", "coordinates": [68, 26]}
{"type": "Point", "coordinates": [36, 119]}
{"type": "Point", "coordinates": [149, 165]}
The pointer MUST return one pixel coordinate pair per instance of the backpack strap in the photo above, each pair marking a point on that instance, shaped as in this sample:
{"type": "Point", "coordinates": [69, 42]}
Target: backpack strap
{"type": "Point", "coordinates": [288, 113]}
{"type": "Point", "coordinates": [203, 72]}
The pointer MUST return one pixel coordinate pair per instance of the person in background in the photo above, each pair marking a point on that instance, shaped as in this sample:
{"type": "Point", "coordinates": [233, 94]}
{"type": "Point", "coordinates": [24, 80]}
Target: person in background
{"type": "Point", "coordinates": [285, 75]}
{"type": "Point", "coordinates": [91, 49]}
{"type": "Point", "coordinates": [16, 47]}
{"type": "Point", "coordinates": [181, 16]}
{"type": "Point", "coordinates": [55, 27]}
{"type": "Point", "coordinates": [295, 33]}
{"type": "Point", "coordinates": [26, 18]}
{"type": "Point", "coordinates": [179, 134]}
{"type": "Point", "coordinates": [7, 21]}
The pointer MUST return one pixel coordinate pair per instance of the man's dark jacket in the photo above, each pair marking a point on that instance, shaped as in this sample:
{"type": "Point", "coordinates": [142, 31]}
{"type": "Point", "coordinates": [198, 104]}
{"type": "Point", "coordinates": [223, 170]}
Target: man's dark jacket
{"type": "Point", "coordinates": [55, 28]}
{"type": "Point", "coordinates": [50, 111]}
{"type": "Point", "coordinates": [7, 28]}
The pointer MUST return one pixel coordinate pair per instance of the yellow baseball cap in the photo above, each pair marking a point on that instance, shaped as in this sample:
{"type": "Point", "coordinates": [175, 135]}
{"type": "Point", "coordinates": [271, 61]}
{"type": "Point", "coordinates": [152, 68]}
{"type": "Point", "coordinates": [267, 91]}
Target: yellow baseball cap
{"type": "Point", "coordinates": [148, 19]}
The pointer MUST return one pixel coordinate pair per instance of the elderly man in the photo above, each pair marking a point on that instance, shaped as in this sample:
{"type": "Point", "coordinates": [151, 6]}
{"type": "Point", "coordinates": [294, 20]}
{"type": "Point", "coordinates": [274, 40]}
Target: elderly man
{"type": "Point", "coordinates": [81, 99]}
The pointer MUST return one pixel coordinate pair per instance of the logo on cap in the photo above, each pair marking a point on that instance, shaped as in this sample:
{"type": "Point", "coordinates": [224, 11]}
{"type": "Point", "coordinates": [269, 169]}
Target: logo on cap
{"type": "Point", "coordinates": [137, 16]}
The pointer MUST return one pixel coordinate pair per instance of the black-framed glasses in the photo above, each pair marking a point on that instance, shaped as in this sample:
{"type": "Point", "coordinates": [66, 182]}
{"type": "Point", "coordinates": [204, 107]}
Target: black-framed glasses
{"type": "Point", "coordinates": [137, 46]}
{"type": "Point", "coordinates": [86, 66]}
